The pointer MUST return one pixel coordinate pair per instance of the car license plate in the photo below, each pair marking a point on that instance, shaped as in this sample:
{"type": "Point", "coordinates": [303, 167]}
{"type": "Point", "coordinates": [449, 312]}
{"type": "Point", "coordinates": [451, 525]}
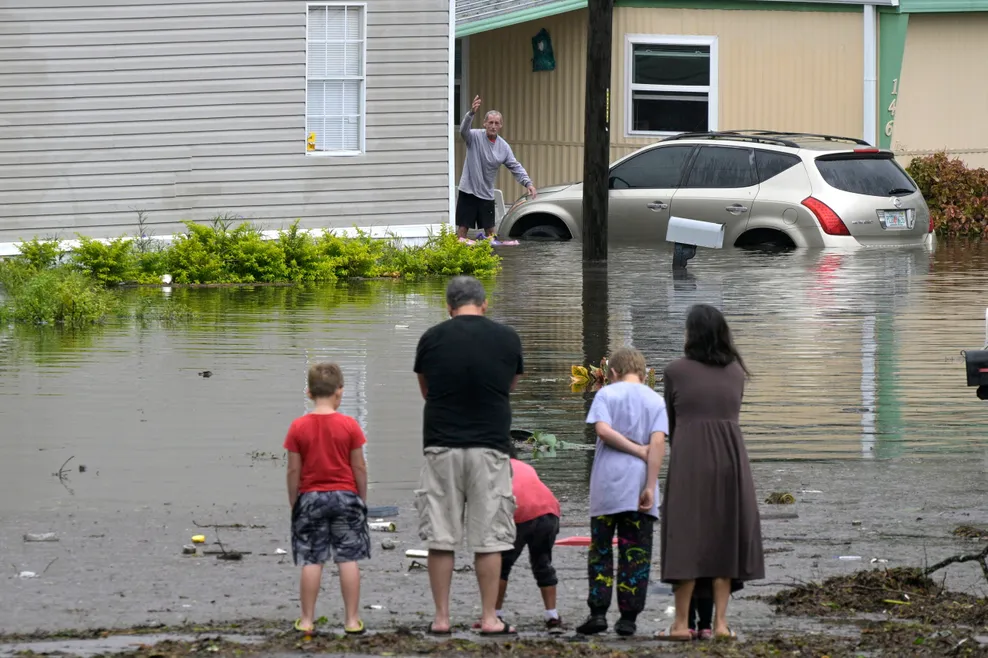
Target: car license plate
{"type": "Point", "coordinates": [894, 219]}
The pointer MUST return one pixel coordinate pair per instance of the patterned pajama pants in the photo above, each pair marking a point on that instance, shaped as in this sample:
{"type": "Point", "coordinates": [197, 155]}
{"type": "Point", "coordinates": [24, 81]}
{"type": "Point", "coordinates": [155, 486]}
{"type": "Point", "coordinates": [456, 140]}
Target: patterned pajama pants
{"type": "Point", "coordinates": [634, 548]}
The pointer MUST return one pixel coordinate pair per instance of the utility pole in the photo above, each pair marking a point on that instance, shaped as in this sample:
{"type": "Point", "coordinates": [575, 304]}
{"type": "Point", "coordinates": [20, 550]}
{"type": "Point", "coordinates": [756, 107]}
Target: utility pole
{"type": "Point", "coordinates": [596, 136]}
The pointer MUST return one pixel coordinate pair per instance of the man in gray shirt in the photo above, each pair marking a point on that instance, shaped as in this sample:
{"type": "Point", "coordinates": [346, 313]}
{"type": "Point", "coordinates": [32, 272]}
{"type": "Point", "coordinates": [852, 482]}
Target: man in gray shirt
{"type": "Point", "coordinates": [486, 152]}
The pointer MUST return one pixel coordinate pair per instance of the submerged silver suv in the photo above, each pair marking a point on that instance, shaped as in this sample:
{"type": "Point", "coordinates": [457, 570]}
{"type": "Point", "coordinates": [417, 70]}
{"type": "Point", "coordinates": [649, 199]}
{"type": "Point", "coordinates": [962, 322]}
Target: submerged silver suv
{"type": "Point", "coordinates": [767, 188]}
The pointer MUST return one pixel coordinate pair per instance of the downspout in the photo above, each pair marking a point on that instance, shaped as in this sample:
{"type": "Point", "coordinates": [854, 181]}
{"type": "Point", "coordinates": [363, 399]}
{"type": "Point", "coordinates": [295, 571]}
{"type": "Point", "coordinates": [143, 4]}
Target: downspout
{"type": "Point", "coordinates": [870, 97]}
{"type": "Point", "coordinates": [452, 123]}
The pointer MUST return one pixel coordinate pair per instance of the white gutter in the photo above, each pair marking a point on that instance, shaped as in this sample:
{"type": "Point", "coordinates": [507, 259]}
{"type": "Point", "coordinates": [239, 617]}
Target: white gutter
{"type": "Point", "coordinates": [453, 123]}
{"type": "Point", "coordinates": [870, 97]}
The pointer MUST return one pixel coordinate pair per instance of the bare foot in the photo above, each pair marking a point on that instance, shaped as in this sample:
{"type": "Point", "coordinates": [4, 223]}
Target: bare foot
{"type": "Point", "coordinates": [439, 627]}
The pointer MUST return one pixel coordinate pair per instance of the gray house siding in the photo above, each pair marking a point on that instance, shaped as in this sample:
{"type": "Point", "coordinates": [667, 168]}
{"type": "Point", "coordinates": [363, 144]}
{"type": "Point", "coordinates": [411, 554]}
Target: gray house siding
{"type": "Point", "coordinates": [189, 110]}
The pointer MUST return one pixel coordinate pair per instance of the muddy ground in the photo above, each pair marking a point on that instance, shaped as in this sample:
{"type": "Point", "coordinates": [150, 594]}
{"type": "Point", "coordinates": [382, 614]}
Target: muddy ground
{"type": "Point", "coordinates": [117, 568]}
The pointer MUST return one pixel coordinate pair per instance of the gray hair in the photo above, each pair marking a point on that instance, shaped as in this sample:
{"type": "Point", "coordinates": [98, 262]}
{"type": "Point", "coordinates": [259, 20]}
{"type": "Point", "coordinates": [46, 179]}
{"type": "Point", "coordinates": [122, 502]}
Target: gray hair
{"type": "Point", "coordinates": [465, 290]}
{"type": "Point", "coordinates": [493, 113]}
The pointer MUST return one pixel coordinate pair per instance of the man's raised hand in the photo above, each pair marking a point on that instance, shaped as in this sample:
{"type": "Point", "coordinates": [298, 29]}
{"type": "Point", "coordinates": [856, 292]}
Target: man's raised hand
{"type": "Point", "coordinates": [476, 104]}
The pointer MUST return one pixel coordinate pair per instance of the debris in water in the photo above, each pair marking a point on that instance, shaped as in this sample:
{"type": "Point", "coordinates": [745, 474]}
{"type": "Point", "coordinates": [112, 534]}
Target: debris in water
{"type": "Point", "coordinates": [780, 498]}
{"type": "Point", "coordinates": [374, 607]}
{"type": "Point", "coordinates": [39, 537]}
{"type": "Point", "coordinates": [970, 532]}
{"type": "Point", "coordinates": [206, 373]}
{"type": "Point", "coordinates": [27, 574]}
{"type": "Point", "coordinates": [389, 544]}
{"type": "Point", "coordinates": [82, 468]}
{"type": "Point", "coordinates": [849, 557]}
{"type": "Point", "coordinates": [280, 551]}
{"type": "Point", "coordinates": [189, 549]}
{"type": "Point", "coordinates": [383, 526]}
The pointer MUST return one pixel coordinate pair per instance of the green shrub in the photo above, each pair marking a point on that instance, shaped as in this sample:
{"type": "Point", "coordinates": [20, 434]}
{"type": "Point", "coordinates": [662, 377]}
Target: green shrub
{"type": "Point", "coordinates": [250, 258]}
{"type": "Point", "coordinates": [14, 273]}
{"type": "Point", "coordinates": [351, 258]}
{"type": "Point", "coordinates": [110, 263]}
{"type": "Point", "coordinates": [957, 196]}
{"type": "Point", "coordinates": [196, 256]}
{"type": "Point", "coordinates": [446, 255]}
{"type": "Point", "coordinates": [303, 258]}
{"type": "Point", "coordinates": [60, 296]}
{"type": "Point", "coordinates": [41, 254]}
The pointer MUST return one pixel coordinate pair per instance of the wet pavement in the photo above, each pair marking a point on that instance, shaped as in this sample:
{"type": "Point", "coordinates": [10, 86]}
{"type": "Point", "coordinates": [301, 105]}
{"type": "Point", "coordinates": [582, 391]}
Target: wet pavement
{"type": "Point", "coordinates": [858, 407]}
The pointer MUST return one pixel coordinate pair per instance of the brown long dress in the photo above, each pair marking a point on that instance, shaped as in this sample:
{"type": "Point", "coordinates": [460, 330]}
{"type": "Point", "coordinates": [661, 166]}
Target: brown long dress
{"type": "Point", "coordinates": [710, 522]}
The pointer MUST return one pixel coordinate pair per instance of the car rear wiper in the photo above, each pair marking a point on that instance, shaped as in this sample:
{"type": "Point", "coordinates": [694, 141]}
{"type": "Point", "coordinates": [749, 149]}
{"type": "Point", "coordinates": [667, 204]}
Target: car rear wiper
{"type": "Point", "coordinates": [899, 190]}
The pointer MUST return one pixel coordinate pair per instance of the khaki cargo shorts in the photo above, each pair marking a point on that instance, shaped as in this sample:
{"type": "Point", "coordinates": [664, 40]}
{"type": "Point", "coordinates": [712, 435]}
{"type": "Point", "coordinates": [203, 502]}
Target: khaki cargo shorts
{"type": "Point", "coordinates": [466, 488]}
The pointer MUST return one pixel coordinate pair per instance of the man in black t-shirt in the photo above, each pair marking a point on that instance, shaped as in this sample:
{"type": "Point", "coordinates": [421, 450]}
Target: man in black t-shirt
{"type": "Point", "coordinates": [467, 367]}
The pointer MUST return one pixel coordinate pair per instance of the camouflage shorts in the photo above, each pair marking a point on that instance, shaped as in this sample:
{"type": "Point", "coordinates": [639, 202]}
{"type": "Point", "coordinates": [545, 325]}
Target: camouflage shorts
{"type": "Point", "coordinates": [329, 523]}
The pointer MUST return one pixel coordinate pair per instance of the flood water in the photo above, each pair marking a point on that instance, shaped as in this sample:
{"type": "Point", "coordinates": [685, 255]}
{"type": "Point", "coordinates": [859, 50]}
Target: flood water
{"type": "Point", "coordinates": [854, 355]}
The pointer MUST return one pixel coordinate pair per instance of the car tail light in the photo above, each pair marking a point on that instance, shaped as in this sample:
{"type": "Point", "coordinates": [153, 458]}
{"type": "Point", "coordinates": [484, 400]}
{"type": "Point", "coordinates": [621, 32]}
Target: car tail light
{"type": "Point", "coordinates": [931, 223]}
{"type": "Point", "coordinates": [829, 221]}
{"type": "Point", "coordinates": [867, 150]}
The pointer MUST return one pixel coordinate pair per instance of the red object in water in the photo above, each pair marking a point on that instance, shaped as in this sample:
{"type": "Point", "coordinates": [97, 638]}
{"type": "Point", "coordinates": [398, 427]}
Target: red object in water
{"type": "Point", "coordinates": [577, 541]}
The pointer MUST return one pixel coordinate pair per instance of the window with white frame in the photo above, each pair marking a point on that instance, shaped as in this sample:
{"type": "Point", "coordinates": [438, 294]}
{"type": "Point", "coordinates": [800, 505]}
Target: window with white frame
{"type": "Point", "coordinates": [335, 49]}
{"type": "Point", "coordinates": [671, 83]}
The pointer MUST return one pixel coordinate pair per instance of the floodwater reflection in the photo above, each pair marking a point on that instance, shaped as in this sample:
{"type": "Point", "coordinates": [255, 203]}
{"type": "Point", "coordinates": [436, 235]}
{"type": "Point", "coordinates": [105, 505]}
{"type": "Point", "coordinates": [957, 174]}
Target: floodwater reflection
{"type": "Point", "coordinates": [854, 355]}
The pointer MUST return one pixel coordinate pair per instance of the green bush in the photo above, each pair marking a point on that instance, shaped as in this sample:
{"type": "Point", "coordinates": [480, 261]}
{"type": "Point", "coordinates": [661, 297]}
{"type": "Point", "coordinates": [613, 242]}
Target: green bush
{"type": "Point", "coordinates": [60, 296]}
{"type": "Point", "coordinates": [957, 196]}
{"type": "Point", "coordinates": [352, 258]}
{"type": "Point", "coordinates": [302, 256]}
{"type": "Point", "coordinates": [39, 290]}
{"type": "Point", "coordinates": [41, 254]}
{"type": "Point", "coordinates": [196, 256]}
{"type": "Point", "coordinates": [110, 263]}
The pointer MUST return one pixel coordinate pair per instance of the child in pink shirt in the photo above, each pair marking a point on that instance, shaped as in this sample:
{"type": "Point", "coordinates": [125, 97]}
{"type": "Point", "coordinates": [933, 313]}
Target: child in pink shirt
{"type": "Point", "coordinates": [537, 523]}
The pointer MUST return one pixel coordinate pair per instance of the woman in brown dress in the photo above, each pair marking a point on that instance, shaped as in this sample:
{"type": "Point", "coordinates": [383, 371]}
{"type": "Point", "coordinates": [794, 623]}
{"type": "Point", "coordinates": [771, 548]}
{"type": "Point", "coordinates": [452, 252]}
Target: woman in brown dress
{"type": "Point", "coordinates": [711, 531]}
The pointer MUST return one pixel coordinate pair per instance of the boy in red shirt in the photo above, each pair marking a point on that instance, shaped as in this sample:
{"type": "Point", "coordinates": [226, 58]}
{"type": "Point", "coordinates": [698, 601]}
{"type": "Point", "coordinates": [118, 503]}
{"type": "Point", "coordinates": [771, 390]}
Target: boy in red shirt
{"type": "Point", "coordinates": [327, 490]}
{"type": "Point", "coordinates": [537, 523]}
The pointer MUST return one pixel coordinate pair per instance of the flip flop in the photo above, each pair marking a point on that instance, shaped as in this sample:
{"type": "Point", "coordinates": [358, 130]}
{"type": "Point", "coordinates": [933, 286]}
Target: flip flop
{"type": "Point", "coordinates": [667, 636]}
{"type": "Point", "coordinates": [506, 629]}
{"type": "Point", "coordinates": [298, 627]}
{"type": "Point", "coordinates": [731, 635]}
{"type": "Point", "coordinates": [360, 630]}
{"type": "Point", "coordinates": [432, 631]}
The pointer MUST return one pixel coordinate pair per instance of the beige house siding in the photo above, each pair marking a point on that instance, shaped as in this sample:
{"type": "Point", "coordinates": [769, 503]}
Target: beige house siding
{"type": "Point", "coordinates": [188, 110]}
{"type": "Point", "coordinates": [943, 101]}
{"type": "Point", "coordinates": [770, 76]}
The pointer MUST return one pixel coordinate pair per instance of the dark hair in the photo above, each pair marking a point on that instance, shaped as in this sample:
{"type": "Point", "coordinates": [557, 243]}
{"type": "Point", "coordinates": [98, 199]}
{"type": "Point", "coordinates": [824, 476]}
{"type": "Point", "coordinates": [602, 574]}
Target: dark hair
{"type": "Point", "coordinates": [465, 290]}
{"type": "Point", "coordinates": [512, 449]}
{"type": "Point", "coordinates": [708, 338]}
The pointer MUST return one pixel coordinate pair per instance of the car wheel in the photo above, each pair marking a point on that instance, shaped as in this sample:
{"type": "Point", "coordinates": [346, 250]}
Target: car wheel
{"type": "Point", "coordinates": [542, 232]}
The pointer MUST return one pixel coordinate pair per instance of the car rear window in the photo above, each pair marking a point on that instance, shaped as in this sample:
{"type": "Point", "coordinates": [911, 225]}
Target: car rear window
{"type": "Point", "coordinates": [872, 175]}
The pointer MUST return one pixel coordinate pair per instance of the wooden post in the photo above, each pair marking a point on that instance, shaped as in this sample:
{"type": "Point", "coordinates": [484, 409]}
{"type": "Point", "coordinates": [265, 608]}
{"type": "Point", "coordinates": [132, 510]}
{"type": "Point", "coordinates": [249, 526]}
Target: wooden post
{"type": "Point", "coordinates": [596, 338]}
{"type": "Point", "coordinates": [596, 136]}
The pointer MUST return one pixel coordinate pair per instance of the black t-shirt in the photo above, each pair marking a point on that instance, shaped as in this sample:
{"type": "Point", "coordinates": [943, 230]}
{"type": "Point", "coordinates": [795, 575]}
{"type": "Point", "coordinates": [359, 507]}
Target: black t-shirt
{"type": "Point", "coordinates": [468, 362]}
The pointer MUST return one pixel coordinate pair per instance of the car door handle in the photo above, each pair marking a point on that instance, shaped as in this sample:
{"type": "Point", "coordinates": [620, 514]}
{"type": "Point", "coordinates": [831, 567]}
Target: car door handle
{"type": "Point", "coordinates": [736, 209]}
{"type": "Point", "coordinates": [656, 206]}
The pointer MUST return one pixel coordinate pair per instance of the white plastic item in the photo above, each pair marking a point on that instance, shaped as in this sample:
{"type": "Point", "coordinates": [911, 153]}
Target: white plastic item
{"type": "Point", "coordinates": [416, 553]}
{"type": "Point", "coordinates": [383, 526]}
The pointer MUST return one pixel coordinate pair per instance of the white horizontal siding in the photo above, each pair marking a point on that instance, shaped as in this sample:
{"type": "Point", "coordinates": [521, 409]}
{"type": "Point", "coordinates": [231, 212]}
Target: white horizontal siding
{"type": "Point", "coordinates": [187, 110]}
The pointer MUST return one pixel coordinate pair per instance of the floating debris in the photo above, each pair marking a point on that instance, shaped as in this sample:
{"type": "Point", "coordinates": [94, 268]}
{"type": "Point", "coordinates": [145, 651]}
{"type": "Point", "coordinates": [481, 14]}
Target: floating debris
{"type": "Point", "coordinates": [970, 532]}
{"type": "Point", "coordinates": [780, 498]}
{"type": "Point", "coordinates": [41, 537]}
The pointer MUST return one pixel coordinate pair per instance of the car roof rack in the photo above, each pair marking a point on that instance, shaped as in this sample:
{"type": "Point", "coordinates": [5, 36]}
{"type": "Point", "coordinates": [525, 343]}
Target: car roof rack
{"type": "Point", "coordinates": [825, 138]}
{"type": "Point", "coordinates": [737, 135]}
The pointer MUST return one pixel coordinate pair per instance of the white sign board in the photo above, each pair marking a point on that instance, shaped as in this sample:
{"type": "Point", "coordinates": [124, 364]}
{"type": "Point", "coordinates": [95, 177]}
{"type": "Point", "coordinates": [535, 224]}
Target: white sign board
{"type": "Point", "coordinates": [691, 231]}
